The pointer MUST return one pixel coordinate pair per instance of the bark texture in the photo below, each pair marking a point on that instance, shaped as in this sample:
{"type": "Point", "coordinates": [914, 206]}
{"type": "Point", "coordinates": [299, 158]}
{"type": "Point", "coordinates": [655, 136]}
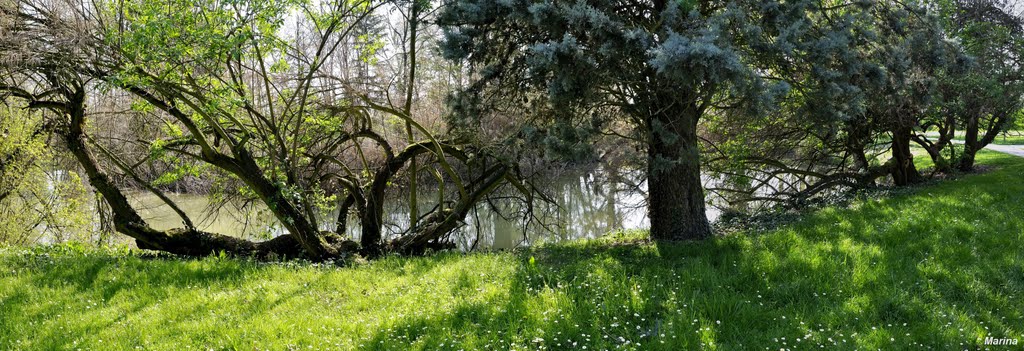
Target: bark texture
{"type": "Point", "coordinates": [903, 170]}
{"type": "Point", "coordinates": [677, 208]}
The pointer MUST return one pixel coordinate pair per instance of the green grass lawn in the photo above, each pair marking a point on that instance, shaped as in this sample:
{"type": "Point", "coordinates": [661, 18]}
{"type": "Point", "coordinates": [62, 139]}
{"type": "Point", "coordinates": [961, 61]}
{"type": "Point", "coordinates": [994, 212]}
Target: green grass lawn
{"type": "Point", "coordinates": [1010, 138]}
{"type": "Point", "coordinates": [939, 267]}
{"type": "Point", "coordinates": [1013, 139]}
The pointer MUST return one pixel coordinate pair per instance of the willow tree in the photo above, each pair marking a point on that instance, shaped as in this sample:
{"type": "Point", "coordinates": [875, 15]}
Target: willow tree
{"type": "Point", "coordinates": [659, 67]}
{"type": "Point", "coordinates": [239, 92]}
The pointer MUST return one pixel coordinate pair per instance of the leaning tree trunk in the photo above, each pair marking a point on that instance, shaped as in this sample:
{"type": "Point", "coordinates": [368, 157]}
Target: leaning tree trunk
{"type": "Point", "coordinates": [677, 208]}
{"type": "Point", "coordinates": [189, 242]}
{"type": "Point", "coordinates": [445, 220]}
{"type": "Point", "coordinates": [934, 150]}
{"type": "Point", "coordinates": [371, 210]}
{"type": "Point", "coordinates": [246, 168]}
{"type": "Point", "coordinates": [903, 170]}
{"type": "Point", "coordinates": [308, 235]}
{"type": "Point", "coordinates": [947, 130]}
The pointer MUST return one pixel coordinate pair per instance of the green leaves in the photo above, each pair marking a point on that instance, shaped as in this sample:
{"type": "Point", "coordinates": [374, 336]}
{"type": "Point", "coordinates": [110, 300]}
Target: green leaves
{"type": "Point", "coordinates": [279, 66]}
{"type": "Point", "coordinates": [30, 182]}
{"type": "Point", "coordinates": [179, 173]}
{"type": "Point", "coordinates": [180, 38]}
{"type": "Point", "coordinates": [368, 44]}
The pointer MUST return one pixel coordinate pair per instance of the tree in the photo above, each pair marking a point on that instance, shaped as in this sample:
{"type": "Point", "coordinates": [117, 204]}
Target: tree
{"type": "Point", "coordinates": [587, 67]}
{"type": "Point", "coordinates": [993, 90]}
{"type": "Point", "coordinates": [913, 51]}
{"type": "Point", "coordinates": [866, 78]}
{"type": "Point", "coordinates": [239, 96]}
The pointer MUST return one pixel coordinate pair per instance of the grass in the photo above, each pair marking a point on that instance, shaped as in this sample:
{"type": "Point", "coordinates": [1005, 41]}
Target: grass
{"type": "Point", "coordinates": [939, 267]}
{"type": "Point", "coordinates": [1009, 138]}
{"type": "Point", "coordinates": [1012, 139]}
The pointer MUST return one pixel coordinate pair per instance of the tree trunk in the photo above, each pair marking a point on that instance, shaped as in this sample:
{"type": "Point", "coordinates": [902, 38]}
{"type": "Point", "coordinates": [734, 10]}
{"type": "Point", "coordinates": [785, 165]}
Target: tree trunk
{"type": "Point", "coordinates": [856, 143]}
{"type": "Point", "coordinates": [290, 215]}
{"type": "Point", "coordinates": [934, 150]}
{"type": "Point", "coordinates": [966, 161]}
{"type": "Point", "coordinates": [677, 208]}
{"type": "Point", "coordinates": [414, 21]}
{"type": "Point", "coordinates": [972, 143]}
{"type": "Point", "coordinates": [371, 224]}
{"type": "Point", "coordinates": [371, 216]}
{"type": "Point", "coordinates": [371, 211]}
{"type": "Point", "coordinates": [903, 170]}
{"type": "Point", "coordinates": [947, 131]}
{"type": "Point", "coordinates": [187, 242]}
{"type": "Point", "coordinates": [445, 220]}
{"type": "Point", "coordinates": [935, 153]}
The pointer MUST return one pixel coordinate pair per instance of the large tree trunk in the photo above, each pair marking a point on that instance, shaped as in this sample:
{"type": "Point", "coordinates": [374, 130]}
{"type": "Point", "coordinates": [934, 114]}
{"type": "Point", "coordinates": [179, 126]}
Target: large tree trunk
{"type": "Point", "coordinates": [903, 170]}
{"type": "Point", "coordinates": [677, 208]}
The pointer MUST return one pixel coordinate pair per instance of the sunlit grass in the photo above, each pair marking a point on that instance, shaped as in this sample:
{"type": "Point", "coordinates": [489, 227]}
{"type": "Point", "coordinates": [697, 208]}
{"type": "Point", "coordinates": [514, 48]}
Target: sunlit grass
{"type": "Point", "coordinates": [940, 267]}
{"type": "Point", "coordinates": [1016, 139]}
{"type": "Point", "coordinates": [1013, 137]}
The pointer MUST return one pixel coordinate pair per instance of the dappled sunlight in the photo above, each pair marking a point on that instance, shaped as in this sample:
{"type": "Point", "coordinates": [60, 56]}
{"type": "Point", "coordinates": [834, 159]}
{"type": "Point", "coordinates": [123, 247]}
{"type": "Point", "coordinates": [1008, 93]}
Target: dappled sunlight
{"type": "Point", "coordinates": [919, 270]}
{"type": "Point", "coordinates": [511, 175]}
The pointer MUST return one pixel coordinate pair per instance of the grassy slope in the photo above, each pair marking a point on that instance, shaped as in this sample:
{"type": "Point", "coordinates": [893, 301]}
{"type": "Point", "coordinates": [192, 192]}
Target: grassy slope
{"type": "Point", "coordinates": [941, 267]}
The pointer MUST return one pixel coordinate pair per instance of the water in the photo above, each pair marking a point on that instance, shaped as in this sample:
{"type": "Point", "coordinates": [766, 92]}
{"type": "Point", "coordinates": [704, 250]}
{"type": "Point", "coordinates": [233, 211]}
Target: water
{"type": "Point", "coordinates": [586, 206]}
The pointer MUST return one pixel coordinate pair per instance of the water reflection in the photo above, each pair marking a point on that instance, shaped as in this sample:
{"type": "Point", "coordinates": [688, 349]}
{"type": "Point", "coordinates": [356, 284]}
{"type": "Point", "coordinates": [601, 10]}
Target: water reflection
{"type": "Point", "coordinates": [585, 206]}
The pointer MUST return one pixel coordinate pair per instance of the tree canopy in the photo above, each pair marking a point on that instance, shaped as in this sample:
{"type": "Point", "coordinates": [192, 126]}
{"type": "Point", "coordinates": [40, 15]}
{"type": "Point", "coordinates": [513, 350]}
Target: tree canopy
{"type": "Point", "coordinates": [323, 112]}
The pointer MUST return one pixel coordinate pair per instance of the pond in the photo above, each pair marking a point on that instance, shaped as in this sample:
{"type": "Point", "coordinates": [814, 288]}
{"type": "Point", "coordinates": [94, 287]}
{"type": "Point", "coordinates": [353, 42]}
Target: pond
{"type": "Point", "coordinates": [585, 206]}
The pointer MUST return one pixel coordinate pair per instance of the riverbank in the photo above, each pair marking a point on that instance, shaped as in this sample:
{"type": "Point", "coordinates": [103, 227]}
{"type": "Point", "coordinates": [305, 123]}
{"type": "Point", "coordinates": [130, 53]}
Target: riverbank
{"type": "Point", "coordinates": [937, 267]}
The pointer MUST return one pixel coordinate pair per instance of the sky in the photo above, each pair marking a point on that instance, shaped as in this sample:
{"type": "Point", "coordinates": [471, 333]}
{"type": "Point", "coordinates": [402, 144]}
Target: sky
{"type": "Point", "coordinates": [1019, 5]}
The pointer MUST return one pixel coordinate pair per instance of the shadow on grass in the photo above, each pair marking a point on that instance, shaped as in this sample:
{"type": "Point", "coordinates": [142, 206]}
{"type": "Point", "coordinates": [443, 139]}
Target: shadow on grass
{"type": "Point", "coordinates": [939, 267]}
{"type": "Point", "coordinates": [100, 277]}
